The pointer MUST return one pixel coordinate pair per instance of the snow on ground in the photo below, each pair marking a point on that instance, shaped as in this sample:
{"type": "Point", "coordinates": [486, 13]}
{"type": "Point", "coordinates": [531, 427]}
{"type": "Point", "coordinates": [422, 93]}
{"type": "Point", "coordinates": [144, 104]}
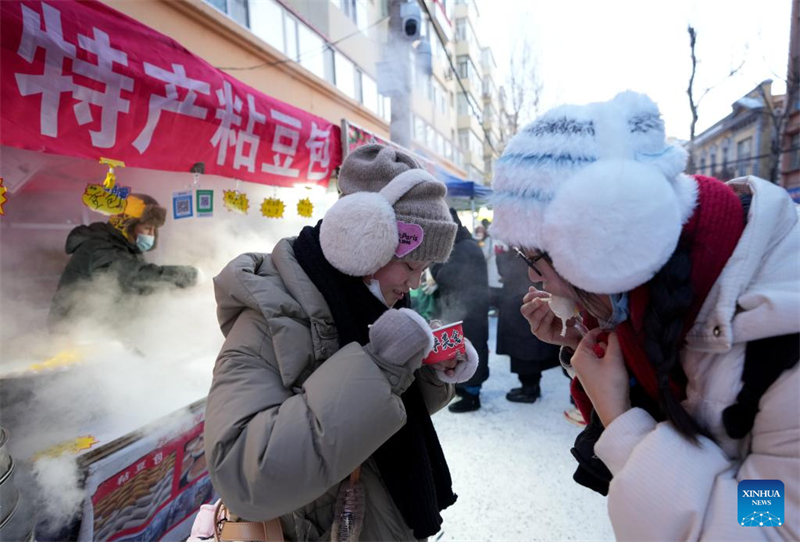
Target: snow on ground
{"type": "Point", "coordinates": [512, 469]}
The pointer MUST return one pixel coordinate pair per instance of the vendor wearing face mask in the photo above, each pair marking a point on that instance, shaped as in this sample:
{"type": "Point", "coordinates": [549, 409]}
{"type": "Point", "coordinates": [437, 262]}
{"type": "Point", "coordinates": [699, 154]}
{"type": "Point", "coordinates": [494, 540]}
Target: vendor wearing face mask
{"type": "Point", "coordinates": [116, 247]}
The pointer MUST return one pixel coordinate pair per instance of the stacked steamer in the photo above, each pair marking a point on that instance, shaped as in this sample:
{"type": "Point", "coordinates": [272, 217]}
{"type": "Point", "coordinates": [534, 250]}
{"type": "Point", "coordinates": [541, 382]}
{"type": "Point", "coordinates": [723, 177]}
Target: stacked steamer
{"type": "Point", "coordinates": [16, 515]}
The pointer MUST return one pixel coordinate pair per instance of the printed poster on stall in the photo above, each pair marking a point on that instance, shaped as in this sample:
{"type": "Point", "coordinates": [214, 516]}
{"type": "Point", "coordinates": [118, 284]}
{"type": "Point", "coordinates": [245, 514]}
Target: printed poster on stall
{"type": "Point", "coordinates": [154, 493]}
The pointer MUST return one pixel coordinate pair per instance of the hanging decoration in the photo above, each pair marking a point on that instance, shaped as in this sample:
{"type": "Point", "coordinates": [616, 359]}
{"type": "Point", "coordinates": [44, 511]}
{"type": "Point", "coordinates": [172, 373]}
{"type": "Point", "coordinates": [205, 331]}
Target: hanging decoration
{"type": "Point", "coordinates": [107, 198]}
{"type": "Point", "coordinates": [272, 208]}
{"type": "Point", "coordinates": [3, 198]}
{"type": "Point", "coordinates": [305, 208]}
{"type": "Point", "coordinates": [111, 178]}
{"type": "Point", "coordinates": [235, 201]}
{"type": "Point", "coordinates": [103, 201]}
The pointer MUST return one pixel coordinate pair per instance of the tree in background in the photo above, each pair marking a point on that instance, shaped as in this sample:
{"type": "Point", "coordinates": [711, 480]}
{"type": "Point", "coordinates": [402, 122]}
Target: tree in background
{"type": "Point", "coordinates": [779, 113]}
{"type": "Point", "coordinates": [694, 102]}
{"type": "Point", "coordinates": [520, 96]}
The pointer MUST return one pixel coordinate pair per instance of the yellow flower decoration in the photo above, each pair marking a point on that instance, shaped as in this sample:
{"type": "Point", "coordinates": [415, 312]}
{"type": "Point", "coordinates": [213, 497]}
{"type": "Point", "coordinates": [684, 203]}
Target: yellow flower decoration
{"type": "Point", "coordinates": [272, 208]}
{"type": "Point", "coordinates": [305, 208]}
{"type": "Point", "coordinates": [235, 201]}
{"type": "Point", "coordinates": [3, 198]}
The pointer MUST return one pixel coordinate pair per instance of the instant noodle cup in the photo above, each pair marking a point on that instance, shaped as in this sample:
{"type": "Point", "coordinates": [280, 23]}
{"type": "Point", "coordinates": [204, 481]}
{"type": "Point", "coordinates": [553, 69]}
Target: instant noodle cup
{"type": "Point", "coordinates": [448, 341]}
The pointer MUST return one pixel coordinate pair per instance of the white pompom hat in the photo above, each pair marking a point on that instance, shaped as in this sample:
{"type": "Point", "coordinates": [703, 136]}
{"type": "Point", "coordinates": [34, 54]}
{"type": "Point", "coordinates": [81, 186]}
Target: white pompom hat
{"type": "Point", "coordinates": [598, 188]}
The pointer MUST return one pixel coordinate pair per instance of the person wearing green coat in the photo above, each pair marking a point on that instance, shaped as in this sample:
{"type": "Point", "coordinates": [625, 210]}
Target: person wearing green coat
{"type": "Point", "coordinates": [319, 391]}
{"type": "Point", "coordinates": [115, 249]}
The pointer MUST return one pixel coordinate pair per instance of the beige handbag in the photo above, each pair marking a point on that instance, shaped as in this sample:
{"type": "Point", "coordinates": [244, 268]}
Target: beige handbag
{"type": "Point", "coordinates": [227, 529]}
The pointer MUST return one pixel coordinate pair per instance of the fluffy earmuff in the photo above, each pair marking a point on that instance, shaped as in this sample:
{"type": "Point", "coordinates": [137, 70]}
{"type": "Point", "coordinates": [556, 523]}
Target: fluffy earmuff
{"type": "Point", "coordinates": [614, 225]}
{"type": "Point", "coordinates": [359, 232]}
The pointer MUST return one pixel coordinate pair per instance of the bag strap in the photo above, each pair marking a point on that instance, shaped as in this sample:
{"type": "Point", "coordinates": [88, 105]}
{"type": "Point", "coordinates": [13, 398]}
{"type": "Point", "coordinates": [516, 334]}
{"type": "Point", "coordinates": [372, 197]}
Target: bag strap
{"type": "Point", "coordinates": [764, 362]}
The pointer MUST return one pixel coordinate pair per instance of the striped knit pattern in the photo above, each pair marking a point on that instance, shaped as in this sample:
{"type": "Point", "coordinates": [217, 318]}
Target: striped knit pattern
{"type": "Point", "coordinates": [541, 158]}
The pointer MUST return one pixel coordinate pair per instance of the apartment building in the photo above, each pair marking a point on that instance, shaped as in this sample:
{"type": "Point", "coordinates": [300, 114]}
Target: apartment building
{"type": "Point", "coordinates": [739, 144]}
{"type": "Point", "coordinates": [323, 56]}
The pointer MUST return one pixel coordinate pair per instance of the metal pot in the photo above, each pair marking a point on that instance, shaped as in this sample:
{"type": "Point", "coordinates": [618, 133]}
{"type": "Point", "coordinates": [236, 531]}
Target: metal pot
{"type": "Point", "coordinates": [9, 496]}
{"type": "Point", "coordinates": [21, 524]}
{"type": "Point", "coordinates": [5, 458]}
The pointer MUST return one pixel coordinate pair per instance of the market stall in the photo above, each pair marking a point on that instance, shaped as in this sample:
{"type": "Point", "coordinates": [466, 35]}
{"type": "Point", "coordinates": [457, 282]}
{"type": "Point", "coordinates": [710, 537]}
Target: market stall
{"type": "Point", "coordinates": [105, 423]}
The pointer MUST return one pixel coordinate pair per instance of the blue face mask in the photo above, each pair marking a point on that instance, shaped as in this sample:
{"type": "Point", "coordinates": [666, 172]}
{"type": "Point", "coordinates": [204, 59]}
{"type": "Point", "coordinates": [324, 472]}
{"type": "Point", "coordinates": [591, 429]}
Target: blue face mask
{"type": "Point", "coordinates": [145, 242]}
{"type": "Point", "coordinates": [619, 308]}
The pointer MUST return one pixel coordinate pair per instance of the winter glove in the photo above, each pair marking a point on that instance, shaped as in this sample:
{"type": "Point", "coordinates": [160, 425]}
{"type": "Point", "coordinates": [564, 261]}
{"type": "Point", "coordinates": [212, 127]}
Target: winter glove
{"type": "Point", "coordinates": [181, 276]}
{"type": "Point", "coordinates": [467, 365]}
{"type": "Point", "coordinates": [398, 341]}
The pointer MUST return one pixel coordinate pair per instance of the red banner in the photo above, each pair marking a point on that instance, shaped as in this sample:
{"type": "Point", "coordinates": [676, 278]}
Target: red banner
{"type": "Point", "coordinates": [78, 78]}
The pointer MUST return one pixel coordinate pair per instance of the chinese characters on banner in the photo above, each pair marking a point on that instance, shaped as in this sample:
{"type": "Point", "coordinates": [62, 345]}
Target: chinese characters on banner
{"type": "Point", "coordinates": [81, 79]}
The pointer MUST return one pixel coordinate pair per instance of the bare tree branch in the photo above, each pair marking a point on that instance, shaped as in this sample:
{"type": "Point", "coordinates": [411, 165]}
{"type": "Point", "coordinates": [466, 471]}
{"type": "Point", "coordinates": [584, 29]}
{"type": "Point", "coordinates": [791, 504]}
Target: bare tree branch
{"type": "Point", "coordinates": [690, 92]}
{"type": "Point", "coordinates": [780, 115]}
{"type": "Point", "coordinates": [733, 72]}
{"type": "Point", "coordinates": [521, 95]}
{"type": "Point", "coordinates": [694, 103]}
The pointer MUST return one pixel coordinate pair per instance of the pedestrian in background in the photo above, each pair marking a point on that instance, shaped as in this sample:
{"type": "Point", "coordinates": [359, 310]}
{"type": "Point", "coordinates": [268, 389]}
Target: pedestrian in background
{"type": "Point", "coordinates": [490, 250]}
{"type": "Point", "coordinates": [462, 294]}
{"type": "Point", "coordinates": [529, 356]}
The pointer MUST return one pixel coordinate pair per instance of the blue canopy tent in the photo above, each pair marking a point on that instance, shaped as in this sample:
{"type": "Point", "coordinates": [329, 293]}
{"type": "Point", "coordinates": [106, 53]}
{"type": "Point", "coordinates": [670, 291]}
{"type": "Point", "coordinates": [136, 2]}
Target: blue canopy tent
{"type": "Point", "coordinates": [463, 195]}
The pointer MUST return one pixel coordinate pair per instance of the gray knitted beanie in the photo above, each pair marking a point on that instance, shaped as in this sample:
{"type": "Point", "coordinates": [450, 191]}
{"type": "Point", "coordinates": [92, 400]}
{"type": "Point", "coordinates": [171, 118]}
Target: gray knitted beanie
{"type": "Point", "coordinates": [351, 240]}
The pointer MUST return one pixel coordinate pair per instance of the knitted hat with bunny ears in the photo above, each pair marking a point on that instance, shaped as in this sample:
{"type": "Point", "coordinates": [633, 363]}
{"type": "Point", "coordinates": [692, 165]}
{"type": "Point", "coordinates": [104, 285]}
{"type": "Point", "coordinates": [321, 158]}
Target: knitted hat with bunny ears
{"type": "Point", "coordinates": [390, 208]}
{"type": "Point", "coordinates": [598, 188]}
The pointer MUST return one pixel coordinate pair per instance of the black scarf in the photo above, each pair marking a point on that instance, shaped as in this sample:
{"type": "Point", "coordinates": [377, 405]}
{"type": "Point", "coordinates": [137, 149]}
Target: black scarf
{"type": "Point", "coordinates": [411, 462]}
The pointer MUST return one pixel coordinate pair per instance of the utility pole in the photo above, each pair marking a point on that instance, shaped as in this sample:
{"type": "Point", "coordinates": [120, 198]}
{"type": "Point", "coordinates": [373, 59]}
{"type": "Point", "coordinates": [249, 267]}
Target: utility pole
{"type": "Point", "coordinates": [397, 55]}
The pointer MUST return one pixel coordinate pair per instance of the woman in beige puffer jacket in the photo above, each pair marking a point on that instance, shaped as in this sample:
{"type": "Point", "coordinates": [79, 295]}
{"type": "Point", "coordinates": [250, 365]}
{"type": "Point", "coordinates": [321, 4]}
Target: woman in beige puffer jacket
{"type": "Point", "coordinates": [318, 376]}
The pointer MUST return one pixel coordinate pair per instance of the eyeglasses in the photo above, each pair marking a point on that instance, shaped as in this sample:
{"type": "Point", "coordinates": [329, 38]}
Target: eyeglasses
{"type": "Point", "coordinates": [531, 262]}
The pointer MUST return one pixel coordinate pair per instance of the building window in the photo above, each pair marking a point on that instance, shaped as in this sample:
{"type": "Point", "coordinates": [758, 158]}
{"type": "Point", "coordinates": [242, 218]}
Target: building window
{"type": "Point", "coordinates": [310, 50]}
{"type": "Point", "coordinates": [725, 159]}
{"type": "Point", "coordinates": [235, 9]}
{"type": "Point", "coordinates": [461, 29]}
{"type": "Point", "coordinates": [794, 152]}
{"type": "Point", "coordinates": [355, 10]}
{"type": "Point", "coordinates": [743, 156]}
{"type": "Point", "coordinates": [328, 59]}
{"type": "Point", "coordinates": [290, 25]}
{"type": "Point", "coordinates": [266, 22]}
{"type": "Point", "coordinates": [385, 107]}
{"type": "Point", "coordinates": [703, 166]}
{"type": "Point", "coordinates": [463, 140]}
{"type": "Point", "coordinates": [713, 163]}
{"type": "Point", "coordinates": [463, 106]}
{"type": "Point", "coordinates": [369, 93]}
{"type": "Point", "coordinates": [345, 76]}
{"type": "Point", "coordinates": [419, 130]}
{"type": "Point", "coordinates": [476, 146]}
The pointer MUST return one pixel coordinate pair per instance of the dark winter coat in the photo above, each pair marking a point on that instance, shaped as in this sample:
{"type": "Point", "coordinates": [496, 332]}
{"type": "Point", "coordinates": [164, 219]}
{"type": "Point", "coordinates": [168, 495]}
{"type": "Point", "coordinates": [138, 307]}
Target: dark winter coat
{"type": "Point", "coordinates": [99, 248]}
{"type": "Point", "coordinates": [463, 294]}
{"type": "Point", "coordinates": [514, 337]}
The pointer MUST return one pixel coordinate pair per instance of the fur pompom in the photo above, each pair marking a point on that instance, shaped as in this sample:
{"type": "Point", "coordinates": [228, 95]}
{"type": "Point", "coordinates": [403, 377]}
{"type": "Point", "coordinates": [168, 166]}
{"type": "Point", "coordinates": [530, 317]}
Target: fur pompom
{"type": "Point", "coordinates": [613, 226]}
{"type": "Point", "coordinates": [359, 234]}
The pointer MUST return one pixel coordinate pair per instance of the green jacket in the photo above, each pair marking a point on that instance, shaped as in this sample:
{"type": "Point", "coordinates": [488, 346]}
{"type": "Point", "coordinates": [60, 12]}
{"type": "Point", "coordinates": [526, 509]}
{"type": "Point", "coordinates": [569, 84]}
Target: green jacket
{"type": "Point", "coordinates": [283, 429]}
{"type": "Point", "coordinates": [100, 249]}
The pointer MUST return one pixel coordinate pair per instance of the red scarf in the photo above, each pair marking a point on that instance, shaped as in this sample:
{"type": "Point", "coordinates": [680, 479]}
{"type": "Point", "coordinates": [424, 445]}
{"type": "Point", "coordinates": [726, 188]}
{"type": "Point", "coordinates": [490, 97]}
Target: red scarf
{"type": "Point", "coordinates": [711, 234]}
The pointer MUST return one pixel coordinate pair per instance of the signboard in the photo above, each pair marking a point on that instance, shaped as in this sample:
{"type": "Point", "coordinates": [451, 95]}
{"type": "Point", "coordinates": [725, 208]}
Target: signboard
{"type": "Point", "coordinates": [81, 79]}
